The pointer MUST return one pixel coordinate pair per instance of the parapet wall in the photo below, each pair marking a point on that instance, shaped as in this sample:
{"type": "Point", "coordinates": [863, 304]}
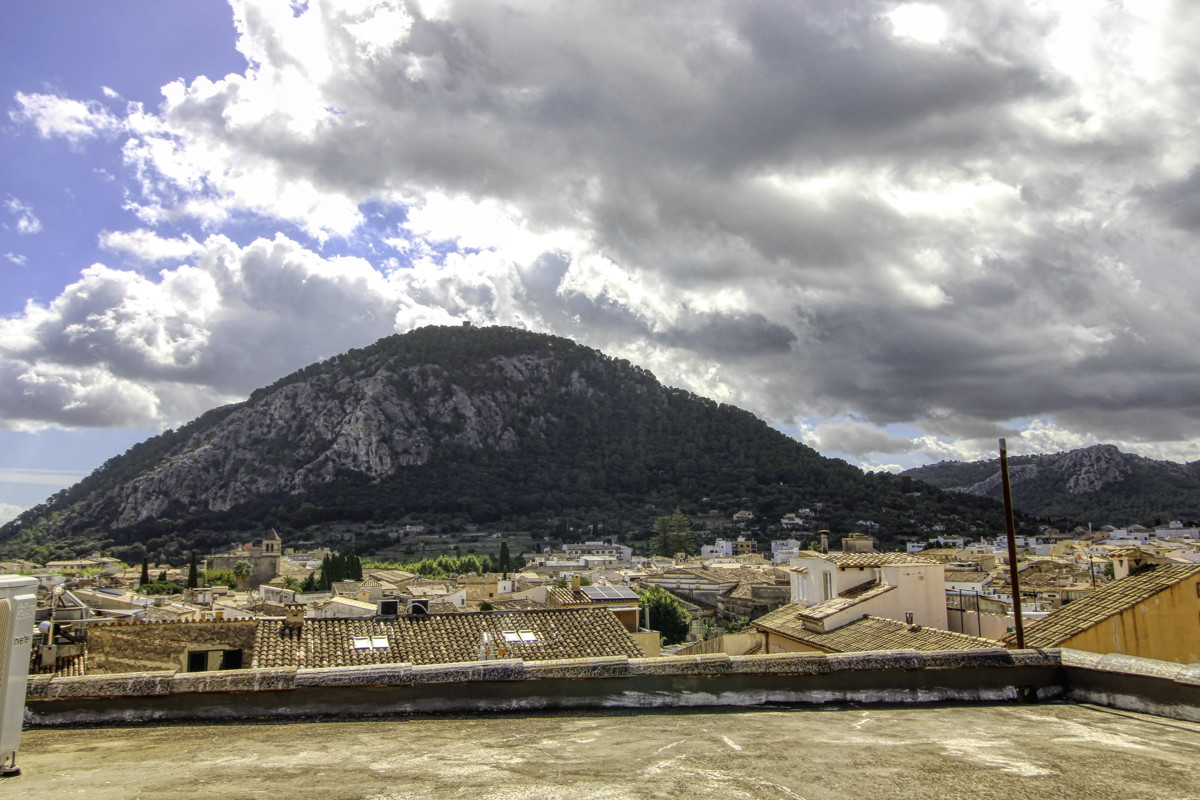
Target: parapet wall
{"type": "Point", "coordinates": [904, 676]}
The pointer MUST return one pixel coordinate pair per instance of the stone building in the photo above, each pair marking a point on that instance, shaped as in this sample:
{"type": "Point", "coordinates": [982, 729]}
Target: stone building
{"type": "Point", "coordinates": [263, 560]}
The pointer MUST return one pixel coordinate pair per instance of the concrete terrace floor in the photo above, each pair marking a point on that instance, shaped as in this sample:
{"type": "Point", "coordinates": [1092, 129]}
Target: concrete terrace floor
{"type": "Point", "coordinates": [977, 752]}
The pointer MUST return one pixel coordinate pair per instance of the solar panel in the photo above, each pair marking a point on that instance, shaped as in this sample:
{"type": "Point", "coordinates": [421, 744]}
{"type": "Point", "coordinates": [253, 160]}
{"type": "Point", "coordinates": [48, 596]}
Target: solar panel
{"type": "Point", "coordinates": [609, 593]}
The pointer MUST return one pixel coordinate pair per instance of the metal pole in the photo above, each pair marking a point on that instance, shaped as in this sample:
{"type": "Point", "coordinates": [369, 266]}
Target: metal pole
{"type": "Point", "coordinates": [1010, 527]}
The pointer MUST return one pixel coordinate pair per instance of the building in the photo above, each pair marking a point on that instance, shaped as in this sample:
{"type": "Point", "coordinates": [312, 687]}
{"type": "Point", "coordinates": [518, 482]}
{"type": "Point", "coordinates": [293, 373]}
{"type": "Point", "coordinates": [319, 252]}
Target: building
{"type": "Point", "coordinates": [787, 631]}
{"type": "Point", "coordinates": [622, 601]}
{"type": "Point", "coordinates": [897, 584]}
{"type": "Point", "coordinates": [622, 553]}
{"type": "Point", "coordinates": [442, 638]}
{"type": "Point", "coordinates": [263, 560]}
{"type": "Point", "coordinates": [1152, 613]}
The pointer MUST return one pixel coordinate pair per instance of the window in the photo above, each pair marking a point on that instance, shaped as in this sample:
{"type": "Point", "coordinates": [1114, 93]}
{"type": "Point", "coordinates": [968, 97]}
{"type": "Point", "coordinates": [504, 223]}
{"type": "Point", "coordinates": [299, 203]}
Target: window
{"type": "Point", "coordinates": [519, 636]}
{"type": "Point", "coordinates": [370, 642]}
{"type": "Point", "coordinates": [826, 585]}
{"type": "Point", "coordinates": [211, 660]}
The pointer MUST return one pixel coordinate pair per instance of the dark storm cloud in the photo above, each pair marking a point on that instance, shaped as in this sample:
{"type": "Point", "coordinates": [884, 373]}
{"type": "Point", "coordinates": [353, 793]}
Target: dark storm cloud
{"type": "Point", "coordinates": [805, 208]}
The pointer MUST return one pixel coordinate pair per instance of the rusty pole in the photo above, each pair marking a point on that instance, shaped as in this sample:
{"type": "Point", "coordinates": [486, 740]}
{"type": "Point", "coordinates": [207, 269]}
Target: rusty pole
{"type": "Point", "coordinates": [1010, 528]}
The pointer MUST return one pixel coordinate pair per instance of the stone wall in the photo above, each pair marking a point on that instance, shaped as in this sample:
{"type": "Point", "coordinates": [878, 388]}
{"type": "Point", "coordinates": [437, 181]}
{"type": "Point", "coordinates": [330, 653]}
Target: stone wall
{"type": "Point", "coordinates": [140, 647]}
{"type": "Point", "coordinates": [905, 676]}
{"type": "Point", "coordinates": [262, 568]}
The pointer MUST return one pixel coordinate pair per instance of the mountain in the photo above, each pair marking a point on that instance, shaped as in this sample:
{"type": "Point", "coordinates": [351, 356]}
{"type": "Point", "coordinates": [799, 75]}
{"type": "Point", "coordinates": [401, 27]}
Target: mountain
{"type": "Point", "coordinates": [458, 426]}
{"type": "Point", "coordinates": [1097, 484]}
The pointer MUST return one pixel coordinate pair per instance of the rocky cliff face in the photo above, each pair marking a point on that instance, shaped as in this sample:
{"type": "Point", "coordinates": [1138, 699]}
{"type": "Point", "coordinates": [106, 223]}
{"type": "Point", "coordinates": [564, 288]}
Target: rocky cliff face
{"type": "Point", "coordinates": [1098, 483]}
{"type": "Point", "coordinates": [368, 414]}
{"type": "Point", "coordinates": [371, 422]}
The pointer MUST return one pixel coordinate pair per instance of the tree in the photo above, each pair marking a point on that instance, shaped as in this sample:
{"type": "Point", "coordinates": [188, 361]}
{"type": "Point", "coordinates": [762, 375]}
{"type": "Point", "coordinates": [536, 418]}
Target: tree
{"type": "Point", "coordinates": [486, 606]}
{"type": "Point", "coordinates": [145, 571]}
{"type": "Point", "coordinates": [505, 559]}
{"type": "Point", "coordinates": [193, 578]}
{"type": "Point", "coordinates": [310, 583]}
{"type": "Point", "coordinates": [290, 582]}
{"type": "Point", "coordinates": [220, 577]}
{"type": "Point", "coordinates": [673, 535]}
{"type": "Point", "coordinates": [667, 614]}
{"type": "Point", "coordinates": [241, 571]}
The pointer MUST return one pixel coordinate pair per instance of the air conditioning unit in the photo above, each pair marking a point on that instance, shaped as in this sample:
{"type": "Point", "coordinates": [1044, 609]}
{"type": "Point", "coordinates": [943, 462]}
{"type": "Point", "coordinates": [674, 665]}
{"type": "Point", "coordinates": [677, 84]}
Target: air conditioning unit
{"type": "Point", "coordinates": [18, 603]}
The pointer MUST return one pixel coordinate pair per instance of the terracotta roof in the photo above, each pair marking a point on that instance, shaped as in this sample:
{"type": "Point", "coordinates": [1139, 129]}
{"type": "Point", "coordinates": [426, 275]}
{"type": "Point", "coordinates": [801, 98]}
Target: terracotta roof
{"type": "Point", "coordinates": [1102, 603]}
{"type": "Point", "coordinates": [578, 597]}
{"type": "Point", "coordinates": [869, 633]}
{"type": "Point", "coordinates": [847, 599]}
{"type": "Point", "coordinates": [513, 605]}
{"type": "Point", "coordinates": [442, 638]}
{"type": "Point", "coordinates": [844, 560]}
{"type": "Point", "coordinates": [964, 576]}
{"type": "Point", "coordinates": [725, 575]}
{"type": "Point", "coordinates": [743, 591]}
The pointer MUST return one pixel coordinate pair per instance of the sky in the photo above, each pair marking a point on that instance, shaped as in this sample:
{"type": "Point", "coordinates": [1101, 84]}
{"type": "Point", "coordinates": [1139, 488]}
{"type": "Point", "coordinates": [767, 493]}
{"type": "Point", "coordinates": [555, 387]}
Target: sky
{"type": "Point", "coordinates": [896, 231]}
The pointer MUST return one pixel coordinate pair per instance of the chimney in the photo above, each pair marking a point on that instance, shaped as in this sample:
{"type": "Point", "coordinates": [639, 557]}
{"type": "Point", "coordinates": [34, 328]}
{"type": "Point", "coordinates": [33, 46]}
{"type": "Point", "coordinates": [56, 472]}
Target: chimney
{"type": "Point", "coordinates": [293, 615]}
{"type": "Point", "coordinates": [575, 583]}
{"type": "Point", "coordinates": [824, 542]}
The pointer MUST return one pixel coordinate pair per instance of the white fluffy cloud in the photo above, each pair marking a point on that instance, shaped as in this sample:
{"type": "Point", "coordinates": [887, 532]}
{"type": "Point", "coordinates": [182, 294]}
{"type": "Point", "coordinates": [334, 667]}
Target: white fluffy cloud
{"type": "Point", "coordinates": [9, 512]}
{"type": "Point", "coordinates": [942, 216]}
{"type": "Point", "coordinates": [26, 222]}
{"type": "Point", "coordinates": [73, 120]}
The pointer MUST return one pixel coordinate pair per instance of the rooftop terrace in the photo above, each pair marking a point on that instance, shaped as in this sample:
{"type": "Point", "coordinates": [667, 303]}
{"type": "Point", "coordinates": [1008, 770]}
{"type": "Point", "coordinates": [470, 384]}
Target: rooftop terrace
{"type": "Point", "coordinates": [921, 752]}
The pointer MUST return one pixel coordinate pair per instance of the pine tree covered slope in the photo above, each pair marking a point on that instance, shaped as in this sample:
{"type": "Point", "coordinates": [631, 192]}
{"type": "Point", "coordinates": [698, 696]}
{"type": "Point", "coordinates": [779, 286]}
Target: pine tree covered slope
{"type": "Point", "coordinates": [1097, 484]}
{"type": "Point", "coordinates": [492, 426]}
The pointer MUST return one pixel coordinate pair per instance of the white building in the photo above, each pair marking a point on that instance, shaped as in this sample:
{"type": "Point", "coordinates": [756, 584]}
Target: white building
{"type": "Point", "coordinates": [892, 585]}
{"type": "Point", "coordinates": [620, 552]}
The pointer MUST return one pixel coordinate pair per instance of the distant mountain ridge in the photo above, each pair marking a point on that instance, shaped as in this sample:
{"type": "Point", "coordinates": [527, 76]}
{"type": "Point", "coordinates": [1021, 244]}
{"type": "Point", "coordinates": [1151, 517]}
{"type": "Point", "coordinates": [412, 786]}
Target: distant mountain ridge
{"type": "Point", "coordinates": [1098, 484]}
{"type": "Point", "coordinates": [456, 426]}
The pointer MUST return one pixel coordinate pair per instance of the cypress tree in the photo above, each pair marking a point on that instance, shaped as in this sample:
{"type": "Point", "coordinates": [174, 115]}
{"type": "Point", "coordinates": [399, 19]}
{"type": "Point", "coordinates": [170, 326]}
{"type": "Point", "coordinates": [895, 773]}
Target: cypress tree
{"type": "Point", "coordinates": [193, 579]}
{"type": "Point", "coordinates": [505, 560]}
{"type": "Point", "coordinates": [145, 571]}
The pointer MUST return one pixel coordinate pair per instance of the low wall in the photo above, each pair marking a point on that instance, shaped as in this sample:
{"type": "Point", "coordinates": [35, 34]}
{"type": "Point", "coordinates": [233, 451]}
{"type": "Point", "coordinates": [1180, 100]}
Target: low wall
{"type": "Point", "coordinates": [996, 675]}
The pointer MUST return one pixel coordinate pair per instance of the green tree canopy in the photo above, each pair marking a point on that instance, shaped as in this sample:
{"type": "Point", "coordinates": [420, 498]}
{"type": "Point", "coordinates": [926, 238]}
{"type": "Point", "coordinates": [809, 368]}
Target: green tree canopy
{"type": "Point", "coordinates": [667, 614]}
{"type": "Point", "coordinates": [673, 534]}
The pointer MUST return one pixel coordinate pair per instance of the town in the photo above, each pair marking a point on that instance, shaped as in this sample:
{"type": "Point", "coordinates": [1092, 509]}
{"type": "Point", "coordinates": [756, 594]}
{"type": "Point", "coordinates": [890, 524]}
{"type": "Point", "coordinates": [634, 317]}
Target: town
{"type": "Point", "coordinates": [1127, 591]}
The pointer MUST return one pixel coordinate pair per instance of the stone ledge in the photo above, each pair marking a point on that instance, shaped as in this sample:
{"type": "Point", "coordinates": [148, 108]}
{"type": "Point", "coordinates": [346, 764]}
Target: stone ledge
{"type": "Point", "coordinates": [1130, 665]}
{"type": "Point", "coordinates": [379, 675]}
{"type": "Point", "coordinates": [884, 660]}
{"type": "Point", "coordinates": [602, 667]}
{"type": "Point", "coordinates": [1079, 659]}
{"type": "Point", "coordinates": [506, 670]}
{"type": "Point", "coordinates": [957, 659]}
{"type": "Point", "coordinates": [781, 663]}
{"type": "Point", "coordinates": [126, 684]}
{"type": "Point", "coordinates": [706, 664]}
{"type": "Point", "coordinates": [1045, 657]}
{"type": "Point", "coordinates": [1189, 675]}
{"type": "Point", "coordinates": [234, 680]}
{"type": "Point", "coordinates": [38, 685]}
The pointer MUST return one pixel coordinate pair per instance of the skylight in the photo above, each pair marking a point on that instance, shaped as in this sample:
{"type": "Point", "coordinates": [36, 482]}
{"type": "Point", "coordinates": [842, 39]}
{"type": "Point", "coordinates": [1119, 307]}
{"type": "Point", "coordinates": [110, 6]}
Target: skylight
{"type": "Point", "coordinates": [370, 642]}
{"type": "Point", "coordinates": [519, 636]}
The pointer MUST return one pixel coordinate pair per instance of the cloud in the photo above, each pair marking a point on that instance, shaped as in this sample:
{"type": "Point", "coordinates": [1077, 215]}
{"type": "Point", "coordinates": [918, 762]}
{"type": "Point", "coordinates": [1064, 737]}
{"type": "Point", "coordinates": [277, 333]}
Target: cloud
{"type": "Point", "coordinates": [9, 512]}
{"type": "Point", "coordinates": [962, 219]}
{"type": "Point", "coordinates": [148, 247]}
{"type": "Point", "coordinates": [120, 348]}
{"type": "Point", "coordinates": [16, 258]}
{"type": "Point", "coordinates": [55, 116]}
{"type": "Point", "coordinates": [27, 221]}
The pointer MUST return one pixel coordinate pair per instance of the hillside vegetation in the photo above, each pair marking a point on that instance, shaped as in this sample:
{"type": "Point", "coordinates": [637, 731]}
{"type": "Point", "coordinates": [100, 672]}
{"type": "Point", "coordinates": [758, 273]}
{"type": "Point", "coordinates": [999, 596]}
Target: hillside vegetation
{"type": "Point", "coordinates": [1097, 484]}
{"type": "Point", "coordinates": [457, 427]}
